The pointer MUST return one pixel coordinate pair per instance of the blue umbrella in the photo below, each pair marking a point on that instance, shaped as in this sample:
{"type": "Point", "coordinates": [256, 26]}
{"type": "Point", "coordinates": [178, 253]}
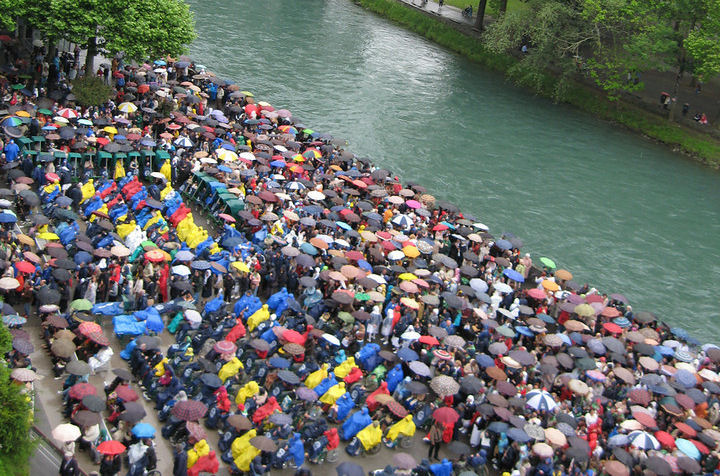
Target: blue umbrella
{"type": "Point", "coordinates": [503, 244]}
{"type": "Point", "coordinates": [343, 225]}
{"type": "Point", "coordinates": [622, 322]}
{"type": "Point", "coordinates": [14, 320]}
{"type": "Point", "coordinates": [679, 332]}
{"type": "Point", "coordinates": [147, 142]}
{"type": "Point", "coordinates": [362, 264]}
{"type": "Point", "coordinates": [545, 318]}
{"type": "Point", "coordinates": [644, 440]}
{"type": "Point", "coordinates": [485, 360]}
{"type": "Point", "coordinates": [687, 379]}
{"type": "Point", "coordinates": [576, 337]}
{"type": "Point", "coordinates": [143, 430]}
{"type": "Point", "coordinates": [309, 249]}
{"type": "Point", "coordinates": [402, 220]}
{"type": "Point", "coordinates": [279, 363]}
{"type": "Point", "coordinates": [232, 242]}
{"type": "Point", "coordinates": [566, 340]}
{"type": "Point", "coordinates": [312, 209]}
{"type": "Point", "coordinates": [63, 201]}
{"type": "Point", "coordinates": [224, 168]}
{"type": "Point", "coordinates": [119, 137]}
{"type": "Point", "coordinates": [373, 216]}
{"type": "Point", "coordinates": [407, 354]}
{"type": "Point", "coordinates": [277, 163]}
{"type": "Point", "coordinates": [160, 63]}
{"type": "Point", "coordinates": [664, 350]}
{"type": "Point", "coordinates": [202, 265]}
{"type": "Point", "coordinates": [514, 275]}
{"type": "Point", "coordinates": [7, 218]}
{"type": "Point", "coordinates": [498, 427]}
{"type": "Point", "coordinates": [687, 447]}
{"type": "Point", "coordinates": [184, 255]}
{"type": "Point", "coordinates": [618, 440]}
{"type": "Point", "coordinates": [228, 146]}
{"type": "Point", "coordinates": [82, 257]}
{"type": "Point", "coordinates": [518, 435]}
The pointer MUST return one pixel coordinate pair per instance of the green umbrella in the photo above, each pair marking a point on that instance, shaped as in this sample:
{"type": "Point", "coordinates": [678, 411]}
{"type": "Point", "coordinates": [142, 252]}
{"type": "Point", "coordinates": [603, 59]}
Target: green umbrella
{"type": "Point", "coordinates": [18, 86]}
{"type": "Point", "coordinates": [346, 317]}
{"type": "Point", "coordinates": [148, 244]}
{"type": "Point", "coordinates": [47, 112]}
{"type": "Point", "coordinates": [548, 262]}
{"type": "Point", "coordinates": [362, 297]}
{"type": "Point", "coordinates": [308, 131]}
{"type": "Point", "coordinates": [505, 331]}
{"type": "Point", "coordinates": [81, 305]}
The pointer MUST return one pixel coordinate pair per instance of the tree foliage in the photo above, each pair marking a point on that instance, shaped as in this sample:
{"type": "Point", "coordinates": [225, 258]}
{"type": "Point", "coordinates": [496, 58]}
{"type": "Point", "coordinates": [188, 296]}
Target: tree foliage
{"type": "Point", "coordinates": [91, 91]}
{"type": "Point", "coordinates": [606, 40]}
{"type": "Point", "coordinates": [15, 444]}
{"type": "Point", "coordinates": [140, 28]}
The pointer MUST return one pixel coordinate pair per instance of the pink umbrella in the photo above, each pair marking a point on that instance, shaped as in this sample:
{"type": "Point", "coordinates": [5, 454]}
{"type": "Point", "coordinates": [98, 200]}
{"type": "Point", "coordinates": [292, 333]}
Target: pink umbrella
{"type": "Point", "coordinates": [413, 204]}
{"type": "Point", "coordinates": [536, 293]}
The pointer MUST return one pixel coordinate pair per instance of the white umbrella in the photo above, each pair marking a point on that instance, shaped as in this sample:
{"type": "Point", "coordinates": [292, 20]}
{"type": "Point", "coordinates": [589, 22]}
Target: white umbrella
{"type": "Point", "coordinates": [396, 255]}
{"type": "Point", "coordinates": [502, 287]}
{"type": "Point", "coordinates": [193, 317]}
{"type": "Point", "coordinates": [127, 107]}
{"type": "Point", "coordinates": [66, 432]}
{"type": "Point", "coordinates": [643, 440]}
{"type": "Point", "coordinates": [540, 400]}
{"type": "Point", "coordinates": [181, 270]}
{"type": "Point", "coordinates": [315, 195]}
{"type": "Point", "coordinates": [331, 338]}
{"type": "Point", "coordinates": [410, 335]}
{"type": "Point", "coordinates": [479, 285]}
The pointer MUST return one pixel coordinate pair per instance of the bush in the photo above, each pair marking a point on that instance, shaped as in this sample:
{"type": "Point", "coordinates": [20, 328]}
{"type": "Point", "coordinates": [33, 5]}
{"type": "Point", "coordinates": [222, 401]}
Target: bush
{"type": "Point", "coordinates": [91, 91]}
{"type": "Point", "coordinates": [15, 419]}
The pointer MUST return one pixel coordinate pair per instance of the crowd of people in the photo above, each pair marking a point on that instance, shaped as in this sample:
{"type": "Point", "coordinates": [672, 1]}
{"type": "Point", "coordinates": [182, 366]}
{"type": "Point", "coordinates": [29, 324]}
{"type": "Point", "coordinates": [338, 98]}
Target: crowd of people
{"type": "Point", "coordinates": [317, 303]}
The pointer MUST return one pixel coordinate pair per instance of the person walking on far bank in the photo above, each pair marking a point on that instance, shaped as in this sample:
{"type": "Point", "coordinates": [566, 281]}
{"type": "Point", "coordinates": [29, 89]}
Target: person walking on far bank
{"type": "Point", "coordinates": [440, 5]}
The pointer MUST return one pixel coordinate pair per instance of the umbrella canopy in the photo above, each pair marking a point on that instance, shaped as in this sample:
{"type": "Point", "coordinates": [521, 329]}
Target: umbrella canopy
{"type": "Point", "coordinates": [66, 432]}
{"type": "Point", "coordinates": [189, 410]}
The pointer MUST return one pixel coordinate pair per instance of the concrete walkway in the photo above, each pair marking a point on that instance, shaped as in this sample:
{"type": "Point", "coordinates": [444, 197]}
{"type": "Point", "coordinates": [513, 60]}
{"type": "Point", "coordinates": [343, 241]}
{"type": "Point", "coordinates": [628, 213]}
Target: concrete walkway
{"type": "Point", "coordinates": [447, 11]}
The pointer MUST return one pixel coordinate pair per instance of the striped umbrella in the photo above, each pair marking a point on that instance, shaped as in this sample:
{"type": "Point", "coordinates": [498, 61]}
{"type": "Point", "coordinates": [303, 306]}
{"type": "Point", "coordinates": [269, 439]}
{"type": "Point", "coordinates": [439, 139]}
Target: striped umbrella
{"type": "Point", "coordinates": [643, 440]}
{"type": "Point", "coordinates": [541, 400]}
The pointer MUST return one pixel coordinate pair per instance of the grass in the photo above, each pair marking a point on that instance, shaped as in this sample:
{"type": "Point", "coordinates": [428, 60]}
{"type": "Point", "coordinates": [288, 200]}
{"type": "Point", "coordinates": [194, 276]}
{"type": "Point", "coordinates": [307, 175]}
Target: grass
{"type": "Point", "coordinates": [703, 147]}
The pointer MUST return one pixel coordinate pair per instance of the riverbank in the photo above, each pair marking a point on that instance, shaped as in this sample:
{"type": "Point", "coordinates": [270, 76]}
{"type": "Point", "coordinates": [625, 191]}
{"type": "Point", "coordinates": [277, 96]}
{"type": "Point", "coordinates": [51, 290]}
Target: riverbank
{"type": "Point", "coordinates": [461, 39]}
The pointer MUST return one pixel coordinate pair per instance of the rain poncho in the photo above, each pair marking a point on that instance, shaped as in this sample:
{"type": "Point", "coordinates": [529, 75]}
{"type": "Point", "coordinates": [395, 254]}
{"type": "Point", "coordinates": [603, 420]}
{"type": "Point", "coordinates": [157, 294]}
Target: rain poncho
{"type": "Point", "coordinates": [166, 170]}
{"type": "Point", "coordinates": [371, 402]}
{"type": "Point", "coordinates": [314, 379]}
{"type": "Point", "coordinates": [394, 377]}
{"type": "Point", "coordinates": [355, 423]}
{"type": "Point", "coordinates": [243, 452]}
{"type": "Point", "coordinates": [325, 385]}
{"type": "Point", "coordinates": [296, 449]}
{"type": "Point", "coordinates": [405, 427]}
{"type": "Point", "coordinates": [370, 436]}
{"type": "Point", "coordinates": [200, 449]}
{"type": "Point", "coordinates": [125, 229]}
{"type": "Point", "coordinates": [278, 302]}
{"type": "Point", "coordinates": [261, 315]}
{"type": "Point", "coordinates": [333, 393]}
{"type": "Point", "coordinates": [342, 370]}
{"type": "Point", "coordinates": [443, 468]}
{"type": "Point", "coordinates": [207, 464]}
{"type": "Point", "coordinates": [344, 405]}
{"type": "Point", "coordinates": [367, 356]}
{"type": "Point", "coordinates": [249, 390]}
{"type": "Point", "coordinates": [88, 191]}
{"type": "Point", "coordinates": [166, 191]}
{"type": "Point", "coordinates": [160, 367]}
{"type": "Point", "coordinates": [229, 369]}
{"type": "Point", "coordinates": [119, 170]}
{"type": "Point", "coordinates": [266, 410]}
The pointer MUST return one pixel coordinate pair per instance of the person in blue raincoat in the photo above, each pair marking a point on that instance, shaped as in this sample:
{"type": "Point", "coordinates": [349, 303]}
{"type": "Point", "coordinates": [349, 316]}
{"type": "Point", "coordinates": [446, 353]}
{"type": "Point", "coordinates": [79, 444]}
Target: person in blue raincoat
{"type": "Point", "coordinates": [443, 468]}
{"type": "Point", "coordinates": [394, 377]}
{"type": "Point", "coordinates": [355, 423]}
{"type": "Point", "coordinates": [296, 449]}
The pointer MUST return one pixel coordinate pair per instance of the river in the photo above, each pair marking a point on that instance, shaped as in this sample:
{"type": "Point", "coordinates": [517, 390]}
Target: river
{"type": "Point", "coordinates": [618, 211]}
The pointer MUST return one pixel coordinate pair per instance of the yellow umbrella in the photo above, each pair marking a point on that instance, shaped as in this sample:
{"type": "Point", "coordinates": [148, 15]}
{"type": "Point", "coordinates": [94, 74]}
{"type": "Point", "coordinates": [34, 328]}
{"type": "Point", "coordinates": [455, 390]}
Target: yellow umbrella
{"type": "Point", "coordinates": [411, 303]}
{"type": "Point", "coordinates": [263, 104]}
{"type": "Point", "coordinates": [411, 251]}
{"type": "Point", "coordinates": [110, 130]}
{"type": "Point", "coordinates": [227, 155]}
{"type": "Point", "coordinates": [240, 266]}
{"type": "Point", "coordinates": [127, 107]}
{"type": "Point", "coordinates": [585, 310]}
{"type": "Point", "coordinates": [247, 93]}
{"type": "Point", "coordinates": [550, 285]}
{"type": "Point", "coordinates": [22, 114]}
{"type": "Point", "coordinates": [48, 236]}
{"type": "Point", "coordinates": [407, 276]}
{"type": "Point", "coordinates": [563, 274]}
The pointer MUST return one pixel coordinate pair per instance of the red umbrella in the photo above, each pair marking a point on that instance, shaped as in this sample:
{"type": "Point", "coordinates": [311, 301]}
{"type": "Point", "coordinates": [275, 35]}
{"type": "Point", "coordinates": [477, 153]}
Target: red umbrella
{"type": "Point", "coordinates": [88, 327]}
{"type": "Point", "coordinates": [126, 393]}
{"type": "Point", "coordinates": [640, 396]}
{"type": "Point", "coordinates": [227, 217]}
{"type": "Point", "coordinates": [665, 439]}
{"type": "Point", "coordinates": [685, 401]}
{"type": "Point", "coordinates": [80, 390]}
{"type": "Point", "coordinates": [645, 419]}
{"type": "Point", "coordinates": [99, 338]}
{"type": "Point", "coordinates": [25, 267]}
{"type": "Point", "coordinates": [429, 340]}
{"type": "Point", "coordinates": [354, 255]}
{"type": "Point", "coordinates": [612, 327]}
{"type": "Point", "coordinates": [189, 410]}
{"type": "Point", "coordinates": [701, 447]}
{"type": "Point", "coordinates": [685, 428]}
{"type": "Point", "coordinates": [111, 447]}
{"type": "Point", "coordinates": [446, 415]}
{"type": "Point", "coordinates": [537, 293]}
{"type": "Point", "coordinates": [610, 312]}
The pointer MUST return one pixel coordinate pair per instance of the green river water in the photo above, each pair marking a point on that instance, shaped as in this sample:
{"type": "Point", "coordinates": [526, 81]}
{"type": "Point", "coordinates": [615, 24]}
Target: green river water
{"type": "Point", "coordinates": [618, 211]}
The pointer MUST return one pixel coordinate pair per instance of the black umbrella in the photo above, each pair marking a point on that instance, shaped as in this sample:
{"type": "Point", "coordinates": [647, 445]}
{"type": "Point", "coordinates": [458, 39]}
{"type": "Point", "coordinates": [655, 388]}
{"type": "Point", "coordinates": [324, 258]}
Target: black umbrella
{"type": "Point", "coordinates": [78, 367]}
{"type": "Point", "coordinates": [471, 384]}
{"type": "Point", "coordinates": [211, 380]}
{"type": "Point", "coordinates": [94, 403]}
{"type": "Point", "coordinates": [86, 417]}
{"type": "Point", "coordinates": [123, 374]}
{"type": "Point", "coordinates": [39, 220]}
{"type": "Point", "coordinates": [349, 469]}
{"type": "Point", "coordinates": [288, 377]}
{"type": "Point", "coordinates": [50, 296]}
{"type": "Point", "coordinates": [30, 197]}
{"type": "Point", "coordinates": [459, 448]}
{"type": "Point", "coordinates": [134, 412]}
{"type": "Point", "coordinates": [658, 466]}
{"type": "Point", "coordinates": [150, 342]}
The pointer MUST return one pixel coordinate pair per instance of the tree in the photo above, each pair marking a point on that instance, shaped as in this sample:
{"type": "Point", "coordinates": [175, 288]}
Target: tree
{"type": "Point", "coordinates": [15, 444]}
{"type": "Point", "coordinates": [602, 39]}
{"type": "Point", "coordinates": [91, 91]}
{"type": "Point", "coordinates": [480, 18]}
{"type": "Point", "coordinates": [141, 29]}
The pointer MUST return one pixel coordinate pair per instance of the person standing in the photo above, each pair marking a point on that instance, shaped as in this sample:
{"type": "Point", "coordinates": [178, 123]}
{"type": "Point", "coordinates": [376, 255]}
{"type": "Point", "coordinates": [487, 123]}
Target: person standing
{"type": "Point", "coordinates": [69, 465]}
{"type": "Point", "coordinates": [435, 436]}
{"type": "Point", "coordinates": [440, 5]}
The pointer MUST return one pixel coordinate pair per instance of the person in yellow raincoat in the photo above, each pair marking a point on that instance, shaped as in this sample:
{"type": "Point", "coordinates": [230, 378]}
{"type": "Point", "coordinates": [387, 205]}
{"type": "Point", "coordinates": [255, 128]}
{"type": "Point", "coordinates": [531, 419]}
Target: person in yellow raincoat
{"type": "Point", "coordinates": [166, 191]}
{"type": "Point", "coordinates": [119, 169]}
{"type": "Point", "coordinates": [342, 370]}
{"type": "Point", "coordinates": [405, 427]}
{"type": "Point", "coordinates": [333, 393]}
{"type": "Point", "coordinates": [125, 229]}
{"type": "Point", "coordinates": [370, 436]}
{"type": "Point", "coordinates": [314, 379]}
{"type": "Point", "coordinates": [277, 229]}
{"type": "Point", "coordinates": [249, 390]}
{"type": "Point", "coordinates": [261, 315]}
{"type": "Point", "coordinates": [230, 369]}
{"type": "Point", "coordinates": [200, 449]}
{"type": "Point", "coordinates": [243, 452]}
{"type": "Point", "coordinates": [88, 191]}
{"type": "Point", "coordinates": [155, 217]}
{"type": "Point", "coordinates": [102, 209]}
{"type": "Point", "coordinates": [166, 170]}
{"type": "Point", "coordinates": [51, 187]}
{"type": "Point", "coordinates": [160, 367]}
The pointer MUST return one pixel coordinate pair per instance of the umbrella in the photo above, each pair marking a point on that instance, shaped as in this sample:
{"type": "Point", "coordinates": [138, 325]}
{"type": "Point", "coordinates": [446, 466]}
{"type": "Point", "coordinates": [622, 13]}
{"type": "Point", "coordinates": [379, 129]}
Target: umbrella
{"type": "Point", "coordinates": [23, 375]}
{"type": "Point", "coordinates": [80, 390]}
{"type": "Point", "coordinates": [643, 440]}
{"type": "Point", "coordinates": [78, 367]}
{"type": "Point", "coordinates": [66, 432]}
{"type": "Point", "coordinates": [404, 461]}
{"type": "Point", "coordinates": [288, 377]}
{"type": "Point", "coordinates": [519, 435]}
{"type": "Point", "coordinates": [470, 384]}
{"type": "Point", "coordinates": [347, 468]}
{"type": "Point", "coordinates": [658, 466]}
{"type": "Point", "coordinates": [93, 403]}
{"type": "Point", "coordinates": [688, 448]}
{"type": "Point", "coordinates": [134, 412]}
{"type": "Point", "coordinates": [444, 385]}
{"type": "Point", "coordinates": [420, 368]}
{"type": "Point", "coordinates": [263, 443]}
{"type": "Point", "coordinates": [86, 418]}
{"type": "Point", "coordinates": [543, 450]}
{"type": "Point", "coordinates": [110, 447]}
{"type": "Point", "coordinates": [126, 393]}
{"type": "Point", "coordinates": [63, 348]}
{"type": "Point", "coordinates": [280, 419]}
{"type": "Point", "coordinates": [306, 394]}
{"type": "Point", "coordinates": [446, 415]}
{"type": "Point", "coordinates": [239, 422]}
{"type": "Point", "coordinates": [211, 380]}
{"type": "Point", "coordinates": [540, 400]}
{"type": "Point", "coordinates": [189, 410]}
{"type": "Point", "coordinates": [23, 346]}
{"type": "Point", "coordinates": [459, 448]}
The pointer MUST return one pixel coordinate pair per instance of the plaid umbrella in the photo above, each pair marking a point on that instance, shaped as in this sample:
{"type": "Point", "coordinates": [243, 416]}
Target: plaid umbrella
{"type": "Point", "coordinates": [23, 346]}
{"type": "Point", "coordinates": [126, 393]}
{"type": "Point", "coordinates": [189, 410]}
